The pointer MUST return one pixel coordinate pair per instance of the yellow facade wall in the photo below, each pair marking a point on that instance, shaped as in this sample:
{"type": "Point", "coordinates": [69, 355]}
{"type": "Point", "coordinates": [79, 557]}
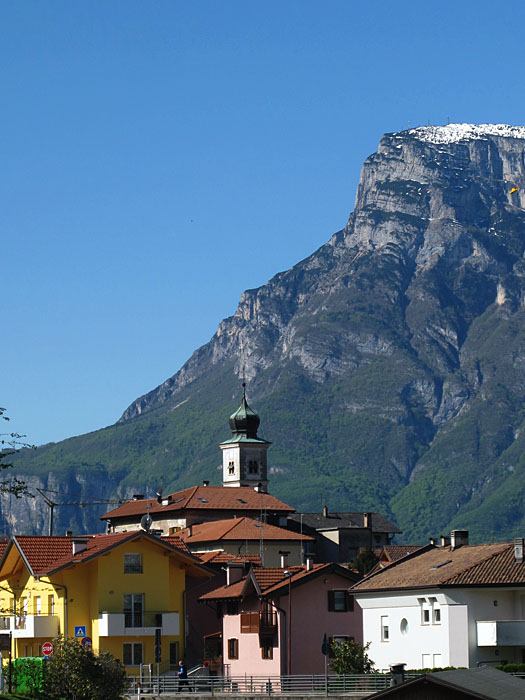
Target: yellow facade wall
{"type": "Point", "coordinates": [83, 591]}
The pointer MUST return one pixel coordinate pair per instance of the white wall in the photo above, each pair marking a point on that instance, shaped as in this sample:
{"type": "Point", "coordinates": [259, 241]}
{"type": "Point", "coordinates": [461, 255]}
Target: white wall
{"type": "Point", "coordinates": [452, 642]}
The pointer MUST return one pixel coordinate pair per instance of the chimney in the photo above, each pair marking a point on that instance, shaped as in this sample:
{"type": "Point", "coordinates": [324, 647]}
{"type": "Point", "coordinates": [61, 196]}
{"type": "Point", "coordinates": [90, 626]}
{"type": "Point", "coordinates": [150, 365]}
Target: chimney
{"type": "Point", "coordinates": [258, 488]}
{"type": "Point", "coordinates": [325, 511]}
{"type": "Point", "coordinates": [284, 559]}
{"type": "Point", "coordinates": [397, 674]}
{"type": "Point", "coordinates": [79, 544]}
{"type": "Point", "coordinates": [434, 541]}
{"type": "Point", "coordinates": [69, 533]}
{"type": "Point", "coordinates": [367, 518]}
{"type": "Point", "coordinates": [205, 482]}
{"type": "Point", "coordinates": [189, 530]}
{"type": "Point", "coordinates": [458, 538]}
{"type": "Point", "coordinates": [445, 540]}
{"type": "Point", "coordinates": [309, 563]}
{"type": "Point", "coordinates": [138, 496]}
{"type": "Point", "coordinates": [518, 550]}
{"type": "Point", "coordinates": [233, 573]}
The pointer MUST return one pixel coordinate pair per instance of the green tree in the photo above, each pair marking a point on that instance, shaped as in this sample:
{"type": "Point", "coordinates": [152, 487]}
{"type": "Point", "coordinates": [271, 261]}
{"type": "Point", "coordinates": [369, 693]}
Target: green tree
{"type": "Point", "coordinates": [365, 561]}
{"type": "Point", "coordinates": [350, 657]}
{"type": "Point", "coordinates": [10, 444]}
{"type": "Point", "coordinates": [74, 672]}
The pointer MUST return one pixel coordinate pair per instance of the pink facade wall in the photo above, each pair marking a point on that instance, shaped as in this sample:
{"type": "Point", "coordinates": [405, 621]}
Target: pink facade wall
{"type": "Point", "coordinates": [250, 660]}
{"type": "Point", "coordinates": [311, 619]}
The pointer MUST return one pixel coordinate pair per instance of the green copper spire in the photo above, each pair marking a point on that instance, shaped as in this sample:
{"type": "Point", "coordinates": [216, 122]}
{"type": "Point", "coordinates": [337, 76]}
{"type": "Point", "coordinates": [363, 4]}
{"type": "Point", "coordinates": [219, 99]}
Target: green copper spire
{"type": "Point", "coordinates": [244, 422]}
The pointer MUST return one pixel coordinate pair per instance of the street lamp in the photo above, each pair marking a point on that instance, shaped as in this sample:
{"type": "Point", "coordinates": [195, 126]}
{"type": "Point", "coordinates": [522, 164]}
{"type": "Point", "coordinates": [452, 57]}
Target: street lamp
{"type": "Point", "coordinates": [289, 635]}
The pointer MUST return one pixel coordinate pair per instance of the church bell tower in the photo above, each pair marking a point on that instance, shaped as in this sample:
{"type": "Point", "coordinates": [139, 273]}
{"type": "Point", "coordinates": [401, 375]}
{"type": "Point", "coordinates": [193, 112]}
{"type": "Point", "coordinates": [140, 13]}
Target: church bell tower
{"type": "Point", "coordinates": [244, 454]}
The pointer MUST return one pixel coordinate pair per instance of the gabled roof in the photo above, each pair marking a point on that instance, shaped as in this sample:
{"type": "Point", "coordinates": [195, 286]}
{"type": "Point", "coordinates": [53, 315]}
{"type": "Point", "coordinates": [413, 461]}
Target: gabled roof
{"type": "Point", "coordinates": [483, 683]}
{"type": "Point", "coordinates": [232, 498]}
{"type": "Point", "coordinates": [469, 565]}
{"type": "Point", "coordinates": [267, 581]}
{"type": "Point", "coordinates": [219, 556]}
{"type": "Point", "coordinates": [44, 555]}
{"type": "Point", "coordinates": [335, 521]}
{"type": "Point", "coordinates": [238, 529]}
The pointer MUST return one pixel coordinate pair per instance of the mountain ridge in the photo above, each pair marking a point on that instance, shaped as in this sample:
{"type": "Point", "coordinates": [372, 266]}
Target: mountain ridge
{"type": "Point", "coordinates": [388, 362]}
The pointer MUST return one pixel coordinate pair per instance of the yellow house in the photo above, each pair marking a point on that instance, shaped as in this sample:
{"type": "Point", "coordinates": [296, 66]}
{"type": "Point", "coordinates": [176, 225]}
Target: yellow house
{"type": "Point", "coordinates": [121, 592]}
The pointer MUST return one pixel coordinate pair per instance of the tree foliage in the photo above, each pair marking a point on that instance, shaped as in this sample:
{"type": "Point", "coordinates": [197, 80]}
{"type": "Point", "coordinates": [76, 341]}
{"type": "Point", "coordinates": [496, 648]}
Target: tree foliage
{"type": "Point", "coordinates": [74, 672]}
{"type": "Point", "coordinates": [10, 444]}
{"type": "Point", "coordinates": [365, 561]}
{"type": "Point", "coordinates": [350, 657]}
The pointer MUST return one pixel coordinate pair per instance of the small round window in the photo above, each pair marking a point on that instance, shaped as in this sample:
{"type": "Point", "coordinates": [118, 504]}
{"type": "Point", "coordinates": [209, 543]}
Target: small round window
{"type": "Point", "coordinates": [404, 626]}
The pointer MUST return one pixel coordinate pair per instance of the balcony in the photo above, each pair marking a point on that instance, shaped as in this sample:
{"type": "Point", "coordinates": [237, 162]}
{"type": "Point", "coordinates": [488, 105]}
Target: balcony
{"type": "Point", "coordinates": [501, 633]}
{"type": "Point", "coordinates": [28, 626]}
{"type": "Point", "coordinates": [267, 623]}
{"type": "Point", "coordinates": [137, 624]}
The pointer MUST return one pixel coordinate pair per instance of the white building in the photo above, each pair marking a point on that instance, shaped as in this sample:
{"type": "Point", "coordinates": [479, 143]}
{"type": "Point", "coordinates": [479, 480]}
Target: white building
{"type": "Point", "coordinates": [448, 605]}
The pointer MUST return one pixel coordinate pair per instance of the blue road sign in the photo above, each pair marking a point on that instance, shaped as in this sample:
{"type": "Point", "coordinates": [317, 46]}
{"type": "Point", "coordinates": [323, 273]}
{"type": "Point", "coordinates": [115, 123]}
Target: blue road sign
{"type": "Point", "coordinates": [80, 631]}
{"type": "Point", "coordinates": [86, 642]}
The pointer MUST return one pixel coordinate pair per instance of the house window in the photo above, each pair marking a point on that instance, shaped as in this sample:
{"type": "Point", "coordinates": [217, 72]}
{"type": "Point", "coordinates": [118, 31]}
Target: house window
{"type": "Point", "coordinates": [266, 649]}
{"type": "Point", "coordinates": [425, 611]}
{"type": "Point", "coordinates": [133, 609]}
{"type": "Point", "coordinates": [384, 628]}
{"type": "Point", "coordinates": [233, 648]}
{"type": "Point", "coordinates": [132, 654]}
{"type": "Point", "coordinates": [249, 622]}
{"type": "Point", "coordinates": [38, 605]}
{"type": "Point", "coordinates": [436, 616]}
{"type": "Point", "coordinates": [340, 601]}
{"type": "Point", "coordinates": [253, 467]}
{"type": "Point", "coordinates": [50, 604]}
{"type": "Point", "coordinates": [132, 563]}
{"type": "Point", "coordinates": [341, 639]}
{"type": "Point", "coordinates": [174, 654]}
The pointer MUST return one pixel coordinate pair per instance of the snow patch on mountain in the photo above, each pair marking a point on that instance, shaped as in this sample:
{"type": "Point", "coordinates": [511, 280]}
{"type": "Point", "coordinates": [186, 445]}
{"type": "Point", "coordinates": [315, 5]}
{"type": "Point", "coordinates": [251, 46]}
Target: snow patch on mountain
{"type": "Point", "coordinates": [452, 133]}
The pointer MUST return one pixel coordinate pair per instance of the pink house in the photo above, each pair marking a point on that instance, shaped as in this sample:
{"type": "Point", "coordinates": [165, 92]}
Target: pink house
{"type": "Point", "coordinates": [274, 620]}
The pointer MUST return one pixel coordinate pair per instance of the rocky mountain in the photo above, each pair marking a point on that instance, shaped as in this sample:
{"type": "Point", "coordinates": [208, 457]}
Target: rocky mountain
{"type": "Point", "coordinates": [387, 367]}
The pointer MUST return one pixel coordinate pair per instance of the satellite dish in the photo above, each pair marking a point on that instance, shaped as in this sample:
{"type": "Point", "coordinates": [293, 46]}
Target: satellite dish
{"type": "Point", "coordinates": [146, 522]}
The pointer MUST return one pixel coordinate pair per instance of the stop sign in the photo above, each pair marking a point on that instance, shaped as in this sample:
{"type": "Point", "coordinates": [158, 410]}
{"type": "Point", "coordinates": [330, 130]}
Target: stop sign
{"type": "Point", "coordinates": [47, 648]}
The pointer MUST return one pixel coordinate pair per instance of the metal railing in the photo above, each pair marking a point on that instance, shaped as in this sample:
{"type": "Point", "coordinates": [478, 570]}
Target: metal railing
{"type": "Point", "coordinates": [264, 685]}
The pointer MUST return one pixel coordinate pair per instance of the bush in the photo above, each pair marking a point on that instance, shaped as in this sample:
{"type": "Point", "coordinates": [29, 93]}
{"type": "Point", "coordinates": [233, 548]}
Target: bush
{"type": "Point", "coordinates": [350, 657]}
{"type": "Point", "coordinates": [77, 673]}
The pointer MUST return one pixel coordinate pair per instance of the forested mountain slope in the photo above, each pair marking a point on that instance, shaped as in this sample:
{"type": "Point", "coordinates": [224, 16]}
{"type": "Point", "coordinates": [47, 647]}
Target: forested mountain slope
{"type": "Point", "coordinates": [387, 368]}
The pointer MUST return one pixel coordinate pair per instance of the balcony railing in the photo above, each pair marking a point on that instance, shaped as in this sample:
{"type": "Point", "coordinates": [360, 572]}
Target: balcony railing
{"type": "Point", "coordinates": [267, 622]}
{"type": "Point", "coordinates": [145, 622]}
{"type": "Point", "coordinates": [27, 626]}
{"type": "Point", "coordinates": [501, 633]}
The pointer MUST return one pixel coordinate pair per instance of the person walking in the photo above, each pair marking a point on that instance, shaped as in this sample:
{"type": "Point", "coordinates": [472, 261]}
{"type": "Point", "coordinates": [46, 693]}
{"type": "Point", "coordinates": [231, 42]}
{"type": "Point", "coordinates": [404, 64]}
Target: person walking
{"type": "Point", "coordinates": [183, 676]}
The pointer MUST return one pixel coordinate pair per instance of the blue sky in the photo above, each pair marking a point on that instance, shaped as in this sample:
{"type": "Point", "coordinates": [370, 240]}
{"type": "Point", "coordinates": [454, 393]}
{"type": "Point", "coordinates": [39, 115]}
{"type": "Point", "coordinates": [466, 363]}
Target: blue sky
{"type": "Point", "coordinates": [160, 157]}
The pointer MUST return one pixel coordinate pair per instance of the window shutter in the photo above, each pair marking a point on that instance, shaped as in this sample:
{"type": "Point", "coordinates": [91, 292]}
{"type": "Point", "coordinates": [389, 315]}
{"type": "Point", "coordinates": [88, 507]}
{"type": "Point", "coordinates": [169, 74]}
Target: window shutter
{"type": "Point", "coordinates": [331, 604]}
{"type": "Point", "coordinates": [350, 602]}
{"type": "Point", "coordinates": [245, 623]}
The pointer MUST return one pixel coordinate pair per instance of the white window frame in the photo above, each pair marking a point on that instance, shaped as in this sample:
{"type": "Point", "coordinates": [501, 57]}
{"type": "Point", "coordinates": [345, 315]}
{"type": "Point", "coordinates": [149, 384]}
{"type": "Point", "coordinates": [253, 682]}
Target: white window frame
{"type": "Point", "coordinates": [132, 568]}
{"type": "Point", "coordinates": [385, 629]}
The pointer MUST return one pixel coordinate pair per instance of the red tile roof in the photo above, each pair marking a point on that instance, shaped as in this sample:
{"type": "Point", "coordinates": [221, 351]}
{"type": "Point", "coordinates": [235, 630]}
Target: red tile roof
{"type": "Point", "coordinates": [222, 557]}
{"type": "Point", "coordinates": [237, 498]}
{"type": "Point", "coordinates": [485, 564]}
{"type": "Point", "coordinates": [271, 580]}
{"type": "Point", "coordinates": [239, 529]}
{"type": "Point", "coordinates": [45, 554]}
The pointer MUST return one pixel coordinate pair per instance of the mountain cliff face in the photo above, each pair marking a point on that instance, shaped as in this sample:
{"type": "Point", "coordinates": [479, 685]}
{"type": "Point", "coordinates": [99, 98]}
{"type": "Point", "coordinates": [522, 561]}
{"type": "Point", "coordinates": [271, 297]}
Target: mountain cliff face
{"type": "Point", "coordinates": [388, 367]}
